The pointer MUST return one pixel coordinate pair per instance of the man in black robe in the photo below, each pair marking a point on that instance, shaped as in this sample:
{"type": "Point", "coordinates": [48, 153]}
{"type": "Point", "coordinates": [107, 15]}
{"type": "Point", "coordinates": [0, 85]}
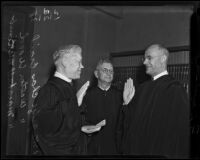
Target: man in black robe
{"type": "Point", "coordinates": [157, 119]}
{"type": "Point", "coordinates": [56, 116]}
{"type": "Point", "coordinates": [102, 102]}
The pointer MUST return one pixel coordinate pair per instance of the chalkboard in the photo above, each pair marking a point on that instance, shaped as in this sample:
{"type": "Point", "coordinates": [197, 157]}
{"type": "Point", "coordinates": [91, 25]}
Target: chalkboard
{"type": "Point", "coordinates": [30, 36]}
{"type": "Point", "coordinates": [16, 46]}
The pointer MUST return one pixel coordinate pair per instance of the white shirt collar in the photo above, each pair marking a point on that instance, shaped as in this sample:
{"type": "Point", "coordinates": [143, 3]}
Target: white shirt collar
{"type": "Point", "coordinates": [61, 76]}
{"type": "Point", "coordinates": [104, 89]}
{"type": "Point", "coordinates": [160, 74]}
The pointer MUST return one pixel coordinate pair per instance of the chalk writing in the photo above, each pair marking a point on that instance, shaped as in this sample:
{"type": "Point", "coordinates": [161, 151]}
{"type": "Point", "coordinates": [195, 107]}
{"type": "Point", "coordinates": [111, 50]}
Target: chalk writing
{"type": "Point", "coordinates": [10, 104]}
{"type": "Point", "coordinates": [33, 61]}
{"type": "Point", "coordinates": [45, 15]}
{"type": "Point", "coordinates": [11, 61]}
{"type": "Point", "coordinates": [23, 90]}
{"type": "Point", "coordinates": [23, 36]}
{"type": "Point", "coordinates": [35, 16]}
{"type": "Point", "coordinates": [22, 60]}
{"type": "Point", "coordinates": [13, 20]}
{"type": "Point", "coordinates": [36, 37]}
{"type": "Point", "coordinates": [34, 85]}
{"type": "Point", "coordinates": [30, 110]}
{"type": "Point", "coordinates": [13, 83]}
{"type": "Point", "coordinates": [56, 14]}
{"type": "Point", "coordinates": [11, 43]}
{"type": "Point", "coordinates": [33, 66]}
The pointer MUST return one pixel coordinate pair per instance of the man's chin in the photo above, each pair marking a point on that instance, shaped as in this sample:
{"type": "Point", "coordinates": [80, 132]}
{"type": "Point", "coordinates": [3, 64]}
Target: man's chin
{"type": "Point", "coordinates": [77, 77]}
{"type": "Point", "coordinates": [148, 72]}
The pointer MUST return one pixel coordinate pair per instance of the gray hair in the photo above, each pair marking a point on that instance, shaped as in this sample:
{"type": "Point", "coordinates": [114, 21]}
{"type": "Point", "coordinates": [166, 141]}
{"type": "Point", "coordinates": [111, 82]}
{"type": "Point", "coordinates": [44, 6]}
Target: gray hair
{"type": "Point", "coordinates": [161, 48]}
{"type": "Point", "coordinates": [102, 61]}
{"type": "Point", "coordinates": [66, 49]}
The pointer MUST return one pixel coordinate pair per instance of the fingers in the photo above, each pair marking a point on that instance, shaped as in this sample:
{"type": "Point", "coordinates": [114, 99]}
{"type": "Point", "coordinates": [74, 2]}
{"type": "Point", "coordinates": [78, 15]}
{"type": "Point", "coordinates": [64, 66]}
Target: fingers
{"type": "Point", "coordinates": [87, 84]}
{"type": "Point", "coordinates": [128, 86]}
{"type": "Point", "coordinates": [129, 90]}
{"type": "Point", "coordinates": [129, 83]}
{"type": "Point", "coordinates": [82, 91]}
{"type": "Point", "coordinates": [102, 123]}
{"type": "Point", "coordinates": [85, 87]}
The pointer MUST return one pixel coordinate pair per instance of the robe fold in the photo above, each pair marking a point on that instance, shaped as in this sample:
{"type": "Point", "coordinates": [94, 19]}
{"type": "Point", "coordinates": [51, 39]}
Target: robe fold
{"type": "Point", "coordinates": [156, 121]}
{"type": "Point", "coordinates": [56, 119]}
{"type": "Point", "coordinates": [102, 105]}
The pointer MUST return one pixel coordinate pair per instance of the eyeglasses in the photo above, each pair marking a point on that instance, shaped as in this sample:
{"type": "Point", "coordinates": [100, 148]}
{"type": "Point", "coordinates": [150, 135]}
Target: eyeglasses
{"type": "Point", "coordinates": [105, 70]}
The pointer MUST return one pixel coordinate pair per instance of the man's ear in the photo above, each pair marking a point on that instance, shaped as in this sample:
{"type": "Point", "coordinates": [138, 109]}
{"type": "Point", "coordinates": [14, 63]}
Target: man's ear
{"type": "Point", "coordinates": [64, 60]}
{"type": "Point", "coordinates": [163, 58]}
{"type": "Point", "coordinates": [96, 74]}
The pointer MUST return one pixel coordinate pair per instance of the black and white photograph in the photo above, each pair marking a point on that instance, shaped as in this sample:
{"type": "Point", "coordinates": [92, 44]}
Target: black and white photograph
{"type": "Point", "coordinates": [107, 79]}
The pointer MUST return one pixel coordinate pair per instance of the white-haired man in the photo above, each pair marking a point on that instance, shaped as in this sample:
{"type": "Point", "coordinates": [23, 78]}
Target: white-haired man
{"type": "Point", "coordinates": [56, 116]}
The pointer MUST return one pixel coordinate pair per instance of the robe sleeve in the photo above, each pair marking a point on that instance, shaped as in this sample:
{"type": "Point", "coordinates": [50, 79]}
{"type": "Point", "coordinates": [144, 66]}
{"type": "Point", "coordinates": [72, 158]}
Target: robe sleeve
{"type": "Point", "coordinates": [119, 129]}
{"type": "Point", "coordinates": [122, 126]}
{"type": "Point", "coordinates": [85, 108]}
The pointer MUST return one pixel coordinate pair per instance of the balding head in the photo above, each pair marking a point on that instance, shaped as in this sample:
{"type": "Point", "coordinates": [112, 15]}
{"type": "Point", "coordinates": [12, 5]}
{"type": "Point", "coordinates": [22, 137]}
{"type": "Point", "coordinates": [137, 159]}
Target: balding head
{"type": "Point", "coordinates": [159, 50]}
{"type": "Point", "coordinates": [156, 57]}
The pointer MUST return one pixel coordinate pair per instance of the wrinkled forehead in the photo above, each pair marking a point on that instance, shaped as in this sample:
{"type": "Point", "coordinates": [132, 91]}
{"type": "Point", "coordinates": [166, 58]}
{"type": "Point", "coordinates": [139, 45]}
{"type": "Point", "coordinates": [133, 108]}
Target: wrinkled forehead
{"type": "Point", "coordinates": [107, 65]}
{"type": "Point", "coordinates": [74, 55]}
{"type": "Point", "coordinates": [153, 51]}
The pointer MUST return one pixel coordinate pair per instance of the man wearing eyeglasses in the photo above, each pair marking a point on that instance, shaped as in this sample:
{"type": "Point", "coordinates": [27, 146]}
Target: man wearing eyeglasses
{"type": "Point", "coordinates": [157, 118]}
{"type": "Point", "coordinates": [102, 103]}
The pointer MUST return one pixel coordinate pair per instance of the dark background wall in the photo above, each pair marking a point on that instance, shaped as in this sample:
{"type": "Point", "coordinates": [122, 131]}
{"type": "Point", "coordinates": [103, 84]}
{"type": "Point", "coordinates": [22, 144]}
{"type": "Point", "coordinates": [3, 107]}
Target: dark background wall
{"type": "Point", "coordinates": [99, 34]}
{"type": "Point", "coordinates": [141, 26]}
{"type": "Point", "coordinates": [92, 30]}
{"type": "Point", "coordinates": [99, 30]}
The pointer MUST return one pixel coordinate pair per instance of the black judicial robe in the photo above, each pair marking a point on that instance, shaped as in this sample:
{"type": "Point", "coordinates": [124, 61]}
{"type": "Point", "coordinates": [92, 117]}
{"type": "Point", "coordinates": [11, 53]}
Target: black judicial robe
{"type": "Point", "coordinates": [157, 120]}
{"type": "Point", "coordinates": [56, 119]}
{"type": "Point", "coordinates": [102, 105]}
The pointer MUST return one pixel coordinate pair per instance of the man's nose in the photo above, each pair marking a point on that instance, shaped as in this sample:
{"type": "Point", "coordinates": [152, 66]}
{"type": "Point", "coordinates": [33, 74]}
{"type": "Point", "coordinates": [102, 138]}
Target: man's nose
{"type": "Point", "coordinates": [81, 66]}
{"type": "Point", "coordinates": [145, 61]}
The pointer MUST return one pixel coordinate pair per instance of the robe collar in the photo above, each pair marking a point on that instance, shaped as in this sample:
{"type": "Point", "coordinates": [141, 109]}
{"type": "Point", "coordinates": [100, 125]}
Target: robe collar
{"type": "Point", "coordinates": [61, 76]}
{"type": "Point", "coordinates": [160, 74]}
{"type": "Point", "coordinates": [104, 89]}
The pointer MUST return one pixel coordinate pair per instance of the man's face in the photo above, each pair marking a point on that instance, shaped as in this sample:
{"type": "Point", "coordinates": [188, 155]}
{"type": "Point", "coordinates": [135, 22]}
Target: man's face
{"type": "Point", "coordinates": [153, 61]}
{"type": "Point", "coordinates": [73, 65]}
{"type": "Point", "coordinates": [105, 73]}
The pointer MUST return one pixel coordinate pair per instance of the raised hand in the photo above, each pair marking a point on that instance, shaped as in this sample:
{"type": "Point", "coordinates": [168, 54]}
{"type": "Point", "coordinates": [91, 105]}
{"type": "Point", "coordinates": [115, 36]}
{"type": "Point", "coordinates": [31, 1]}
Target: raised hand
{"type": "Point", "coordinates": [129, 91]}
{"type": "Point", "coordinates": [81, 92]}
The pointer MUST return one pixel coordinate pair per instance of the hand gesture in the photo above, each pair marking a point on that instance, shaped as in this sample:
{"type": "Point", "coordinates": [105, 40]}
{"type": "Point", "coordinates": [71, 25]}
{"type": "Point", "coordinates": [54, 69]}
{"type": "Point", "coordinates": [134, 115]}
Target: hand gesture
{"type": "Point", "coordinates": [102, 123]}
{"type": "Point", "coordinates": [129, 91]}
{"type": "Point", "coordinates": [81, 92]}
